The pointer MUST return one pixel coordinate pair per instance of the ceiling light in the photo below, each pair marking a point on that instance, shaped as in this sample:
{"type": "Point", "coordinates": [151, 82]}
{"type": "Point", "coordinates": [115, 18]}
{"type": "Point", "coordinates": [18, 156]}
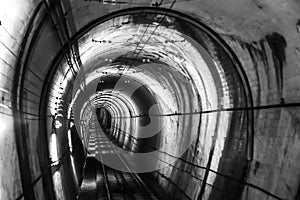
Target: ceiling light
{"type": "Point", "coordinates": [57, 124]}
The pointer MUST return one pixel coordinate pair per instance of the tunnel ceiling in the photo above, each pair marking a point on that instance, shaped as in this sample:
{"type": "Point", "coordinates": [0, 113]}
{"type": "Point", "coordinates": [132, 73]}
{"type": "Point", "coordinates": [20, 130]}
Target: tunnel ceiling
{"type": "Point", "coordinates": [154, 48]}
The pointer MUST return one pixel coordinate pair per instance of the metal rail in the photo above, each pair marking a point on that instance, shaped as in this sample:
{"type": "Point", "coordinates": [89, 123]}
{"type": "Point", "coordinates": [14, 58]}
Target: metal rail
{"type": "Point", "coordinates": [105, 176]}
{"type": "Point", "coordinates": [113, 184]}
{"type": "Point", "coordinates": [134, 175]}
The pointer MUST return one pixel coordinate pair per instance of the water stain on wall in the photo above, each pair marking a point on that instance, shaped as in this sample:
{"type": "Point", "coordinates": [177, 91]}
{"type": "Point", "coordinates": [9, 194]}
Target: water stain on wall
{"type": "Point", "coordinates": [278, 44]}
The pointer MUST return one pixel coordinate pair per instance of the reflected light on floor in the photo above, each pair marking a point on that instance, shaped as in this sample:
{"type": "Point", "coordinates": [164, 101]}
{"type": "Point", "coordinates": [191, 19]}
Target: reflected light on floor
{"type": "Point", "coordinates": [74, 169]}
{"type": "Point", "coordinates": [58, 185]}
{"type": "Point", "coordinates": [53, 150]}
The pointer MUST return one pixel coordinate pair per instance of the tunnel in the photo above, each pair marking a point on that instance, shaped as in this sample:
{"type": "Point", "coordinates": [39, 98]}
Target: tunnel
{"type": "Point", "coordinates": [149, 99]}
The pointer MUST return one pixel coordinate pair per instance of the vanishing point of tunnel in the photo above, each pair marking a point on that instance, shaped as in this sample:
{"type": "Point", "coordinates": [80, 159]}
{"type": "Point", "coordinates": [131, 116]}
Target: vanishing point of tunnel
{"type": "Point", "coordinates": [149, 100]}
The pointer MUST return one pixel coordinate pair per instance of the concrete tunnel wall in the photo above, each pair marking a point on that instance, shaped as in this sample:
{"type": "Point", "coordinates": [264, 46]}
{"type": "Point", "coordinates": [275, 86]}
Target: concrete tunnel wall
{"type": "Point", "coordinates": [263, 34]}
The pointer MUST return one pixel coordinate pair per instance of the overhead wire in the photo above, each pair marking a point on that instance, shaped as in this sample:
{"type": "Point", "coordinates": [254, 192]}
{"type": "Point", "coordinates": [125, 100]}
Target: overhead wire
{"type": "Point", "coordinates": [127, 68]}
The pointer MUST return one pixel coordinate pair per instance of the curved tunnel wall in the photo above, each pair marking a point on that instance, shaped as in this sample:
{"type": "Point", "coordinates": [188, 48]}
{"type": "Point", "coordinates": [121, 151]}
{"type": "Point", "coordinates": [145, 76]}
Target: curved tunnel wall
{"type": "Point", "coordinates": [223, 83]}
{"type": "Point", "coordinates": [265, 46]}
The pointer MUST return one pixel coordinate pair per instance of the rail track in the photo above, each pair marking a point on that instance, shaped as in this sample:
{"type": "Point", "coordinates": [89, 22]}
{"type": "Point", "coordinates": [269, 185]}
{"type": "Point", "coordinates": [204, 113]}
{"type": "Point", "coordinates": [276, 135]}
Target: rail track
{"type": "Point", "coordinates": [101, 182]}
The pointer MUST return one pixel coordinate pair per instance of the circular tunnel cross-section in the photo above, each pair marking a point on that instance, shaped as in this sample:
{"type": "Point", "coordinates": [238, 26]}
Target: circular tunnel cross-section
{"type": "Point", "coordinates": [147, 103]}
{"type": "Point", "coordinates": [163, 89]}
{"type": "Point", "coordinates": [149, 99]}
{"type": "Point", "coordinates": [163, 80]}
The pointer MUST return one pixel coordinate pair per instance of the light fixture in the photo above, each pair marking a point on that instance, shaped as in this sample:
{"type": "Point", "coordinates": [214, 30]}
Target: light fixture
{"type": "Point", "coordinates": [146, 60]}
{"type": "Point", "coordinates": [70, 140]}
{"type": "Point", "coordinates": [53, 150]}
{"type": "Point", "coordinates": [57, 124]}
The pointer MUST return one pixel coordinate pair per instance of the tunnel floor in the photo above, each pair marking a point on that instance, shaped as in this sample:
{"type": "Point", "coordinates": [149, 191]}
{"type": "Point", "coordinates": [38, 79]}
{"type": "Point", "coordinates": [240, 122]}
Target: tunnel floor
{"type": "Point", "coordinates": [101, 182]}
